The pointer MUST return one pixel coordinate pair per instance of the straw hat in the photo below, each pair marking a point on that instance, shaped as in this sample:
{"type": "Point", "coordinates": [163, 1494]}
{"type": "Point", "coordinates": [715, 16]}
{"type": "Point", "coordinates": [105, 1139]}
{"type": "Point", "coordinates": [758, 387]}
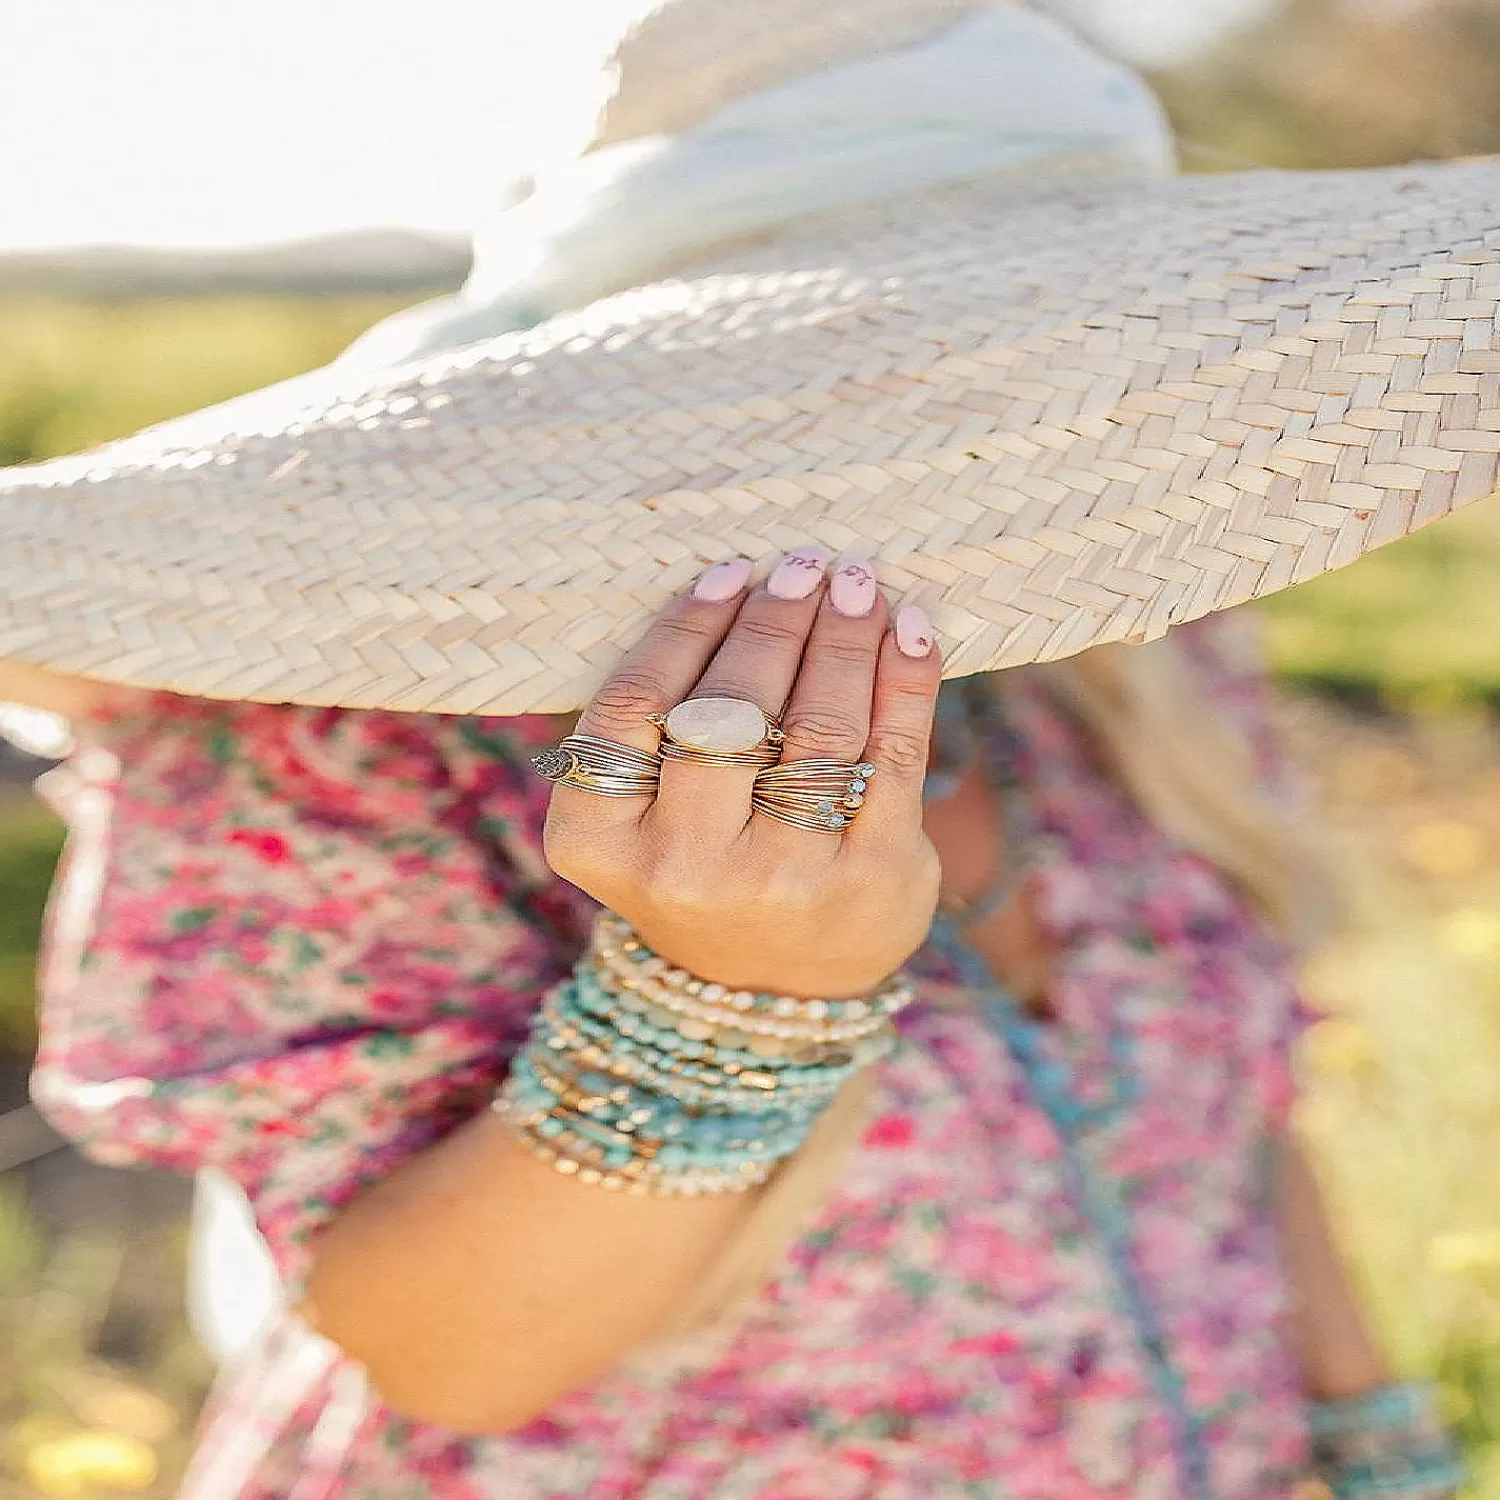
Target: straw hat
{"type": "Point", "coordinates": [1059, 415]}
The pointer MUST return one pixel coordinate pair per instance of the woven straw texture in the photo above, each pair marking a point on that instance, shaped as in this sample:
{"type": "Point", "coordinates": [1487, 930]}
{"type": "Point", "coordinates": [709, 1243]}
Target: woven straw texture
{"type": "Point", "coordinates": [1056, 422]}
{"type": "Point", "coordinates": [688, 57]}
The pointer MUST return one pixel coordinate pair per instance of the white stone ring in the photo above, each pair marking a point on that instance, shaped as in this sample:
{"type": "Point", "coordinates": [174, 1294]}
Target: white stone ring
{"type": "Point", "coordinates": [719, 732]}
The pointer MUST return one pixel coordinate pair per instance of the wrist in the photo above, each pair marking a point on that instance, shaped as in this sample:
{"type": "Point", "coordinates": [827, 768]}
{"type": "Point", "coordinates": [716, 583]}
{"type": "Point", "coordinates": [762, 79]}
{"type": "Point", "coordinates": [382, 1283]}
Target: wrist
{"type": "Point", "coordinates": [807, 1014]}
{"type": "Point", "coordinates": [822, 976]}
{"type": "Point", "coordinates": [646, 1079]}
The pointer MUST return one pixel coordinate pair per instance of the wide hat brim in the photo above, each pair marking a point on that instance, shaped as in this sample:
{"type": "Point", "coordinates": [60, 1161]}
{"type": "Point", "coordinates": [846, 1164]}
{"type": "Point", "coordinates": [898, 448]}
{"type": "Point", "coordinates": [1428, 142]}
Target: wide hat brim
{"type": "Point", "coordinates": [1055, 421]}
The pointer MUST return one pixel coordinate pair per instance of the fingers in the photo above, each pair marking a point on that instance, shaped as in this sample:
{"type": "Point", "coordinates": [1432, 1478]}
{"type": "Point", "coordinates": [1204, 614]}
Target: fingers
{"type": "Point", "coordinates": [828, 714]}
{"type": "Point", "coordinates": [907, 677]}
{"type": "Point", "coordinates": [848, 685]}
{"type": "Point", "coordinates": [758, 661]}
{"type": "Point", "coordinates": [658, 672]}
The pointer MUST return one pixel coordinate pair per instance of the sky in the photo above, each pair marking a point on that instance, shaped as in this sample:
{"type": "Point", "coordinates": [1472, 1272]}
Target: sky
{"type": "Point", "coordinates": [185, 123]}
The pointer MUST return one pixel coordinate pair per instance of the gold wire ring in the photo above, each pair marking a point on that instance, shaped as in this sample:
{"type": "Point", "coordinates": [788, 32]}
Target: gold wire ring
{"type": "Point", "coordinates": [766, 756]}
{"type": "Point", "coordinates": [822, 796]}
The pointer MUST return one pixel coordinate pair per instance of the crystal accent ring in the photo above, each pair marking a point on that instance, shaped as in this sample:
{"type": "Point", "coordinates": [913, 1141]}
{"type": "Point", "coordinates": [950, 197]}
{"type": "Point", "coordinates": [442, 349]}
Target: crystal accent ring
{"type": "Point", "coordinates": [719, 732]}
{"type": "Point", "coordinates": [823, 796]}
{"type": "Point", "coordinates": [600, 766]}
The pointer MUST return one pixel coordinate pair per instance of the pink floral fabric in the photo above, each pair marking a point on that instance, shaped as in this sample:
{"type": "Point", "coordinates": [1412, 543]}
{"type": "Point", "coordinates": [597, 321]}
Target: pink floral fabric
{"type": "Point", "coordinates": [299, 945]}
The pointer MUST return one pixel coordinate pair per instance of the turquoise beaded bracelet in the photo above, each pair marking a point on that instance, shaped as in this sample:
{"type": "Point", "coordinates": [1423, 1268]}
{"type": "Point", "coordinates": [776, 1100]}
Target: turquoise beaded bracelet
{"type": "Point", "coordinates": [642, 1078]}
{"type": "Point", "coordinates": [1386, 1444]}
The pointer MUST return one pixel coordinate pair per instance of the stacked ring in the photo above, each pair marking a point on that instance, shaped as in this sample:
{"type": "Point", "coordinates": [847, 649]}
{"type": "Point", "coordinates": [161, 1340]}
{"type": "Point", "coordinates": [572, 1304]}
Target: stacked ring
{"type": "Point", "coordinates": [823, 796]}
{"type": "Point", "coordinates": [719, 732]}
{"type": "Point", "coordinates": [767, 756]}
{"type": "Point", "coordinates": [600, 766]}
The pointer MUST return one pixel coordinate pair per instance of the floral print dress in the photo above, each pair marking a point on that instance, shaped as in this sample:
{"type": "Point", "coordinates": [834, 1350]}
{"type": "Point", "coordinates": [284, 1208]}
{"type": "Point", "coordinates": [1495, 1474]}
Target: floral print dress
{"type": "Point", "coordinates": [298, 945]}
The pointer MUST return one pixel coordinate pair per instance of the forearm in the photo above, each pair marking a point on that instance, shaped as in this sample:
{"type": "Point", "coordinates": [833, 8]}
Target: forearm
{"type": "Point", "coordinates": [1337, 1352]}
{"type": "Point", "coordinates": [72, 697]}
{"type": "Point", "coordinates": [478, 1285]}
{"type": "Point", "coordinates": [537, 1246]}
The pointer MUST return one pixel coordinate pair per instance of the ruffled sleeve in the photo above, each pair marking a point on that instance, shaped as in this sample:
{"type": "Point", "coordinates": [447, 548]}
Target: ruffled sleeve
{"type": "Point", "coordinates": [293, 944]}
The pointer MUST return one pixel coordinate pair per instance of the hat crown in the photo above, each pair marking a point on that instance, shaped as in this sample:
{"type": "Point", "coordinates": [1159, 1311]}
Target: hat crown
{"type": "Point", "coordinates": [687, 58]}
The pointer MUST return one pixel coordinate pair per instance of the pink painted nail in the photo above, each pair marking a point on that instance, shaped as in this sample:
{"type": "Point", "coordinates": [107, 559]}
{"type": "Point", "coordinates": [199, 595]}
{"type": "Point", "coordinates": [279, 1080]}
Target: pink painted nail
{"type": "Point", "coordinates": [914, 635]}
{"type": "Point", "coordinates": [797, 574]}
{"type": "Point", "coordinates": [723, 581]}
{"type": "Point", "coordinates": [852, 591]}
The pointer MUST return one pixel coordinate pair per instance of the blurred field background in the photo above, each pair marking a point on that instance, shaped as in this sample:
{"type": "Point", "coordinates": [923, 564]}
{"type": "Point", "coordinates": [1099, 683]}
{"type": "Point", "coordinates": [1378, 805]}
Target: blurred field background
{"type": "Point", "coordinates": [1392, 677]}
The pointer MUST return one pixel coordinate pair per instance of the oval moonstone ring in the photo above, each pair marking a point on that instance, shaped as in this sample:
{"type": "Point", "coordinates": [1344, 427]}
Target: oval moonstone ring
{"type": "Point", "coordinates": [719, 726]}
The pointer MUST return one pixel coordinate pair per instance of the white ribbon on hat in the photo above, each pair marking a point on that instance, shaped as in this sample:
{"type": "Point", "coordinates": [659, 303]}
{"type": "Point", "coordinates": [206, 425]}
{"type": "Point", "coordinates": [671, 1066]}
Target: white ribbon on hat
{"type": "Point", "coordinates": [1004, 89]}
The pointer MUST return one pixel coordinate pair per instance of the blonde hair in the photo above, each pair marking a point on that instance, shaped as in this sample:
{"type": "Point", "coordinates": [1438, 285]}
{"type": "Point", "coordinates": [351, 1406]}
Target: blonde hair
{"type": "Point", "coordinates": [1195, 776]}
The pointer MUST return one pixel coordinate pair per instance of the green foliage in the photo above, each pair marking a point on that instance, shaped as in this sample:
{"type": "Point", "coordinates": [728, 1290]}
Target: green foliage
{"type": "Point", "coordinates": [1414, 622]}
{"type": "Point", "coordinates": [28, 851]}
{"type": "Point", "coordinates": [19, 1242]}
{"type": "Point", "coordinates": [1343, 83]}
{"type": "Point", "coordinates": [74, 373]}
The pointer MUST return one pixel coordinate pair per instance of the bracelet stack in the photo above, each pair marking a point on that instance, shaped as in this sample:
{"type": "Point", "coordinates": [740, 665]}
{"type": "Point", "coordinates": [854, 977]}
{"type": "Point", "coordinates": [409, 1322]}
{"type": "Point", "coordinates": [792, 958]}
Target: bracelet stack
{"type": "Point", "coordinates": [1387, 1444]}
{"type": "Point", "coordinates": [642, 1078]}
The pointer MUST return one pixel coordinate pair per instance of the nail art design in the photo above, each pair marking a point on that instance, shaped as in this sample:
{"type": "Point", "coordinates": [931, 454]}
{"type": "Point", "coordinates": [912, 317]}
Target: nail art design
{"type": "Point", "coordinates": [797, 574]}
{"type": "Point", "coordinates": [852, 591]}
{"type": "Point", "coordinates": [723, 581]}
{"type": "Point", "coordinates": [914, 635]}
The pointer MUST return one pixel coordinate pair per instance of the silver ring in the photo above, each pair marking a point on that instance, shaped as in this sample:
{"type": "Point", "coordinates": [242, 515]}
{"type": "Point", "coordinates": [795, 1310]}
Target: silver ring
{"type": "Point", "coordinates": [599, 766]}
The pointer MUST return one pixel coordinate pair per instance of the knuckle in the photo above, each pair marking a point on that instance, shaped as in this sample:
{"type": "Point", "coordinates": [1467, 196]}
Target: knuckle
{"type": "Point", "coordinates": [845, 653]}
{"type": "Point", "coordinates": [898, 750]}
{"type": "Point", "coordinates": [675, 885]}
{"type": "Point", "coordinates": [627, 698]}
{"type": "Point", "coordinates": [683, 629]}
{"type": "Point", "coordinates": [913, 694]}
{"type": "Point", "coordinates": [786, 888]}
{"type": "Point", "coordinates": [926, 868]}
{"type": "Point", "coordinates": [558, 849]}
{"type": "Point", "coordinates": [822, 729]}
{"type": "Point", "coordinates": [574, 853]}
{"type": "Point", "coordinates": [718, 685]}
{"type": "Point", "coordinates": [758, 630]}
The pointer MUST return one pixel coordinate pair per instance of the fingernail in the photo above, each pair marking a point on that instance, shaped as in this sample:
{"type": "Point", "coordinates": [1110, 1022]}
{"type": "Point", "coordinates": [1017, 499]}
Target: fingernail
{"type": "Point", "coordinates": [797, 574]}
{"type": "Point", "coordinates": [723, 581]}
{"type": "Point", "coordinates": [852, 591]}
{"type": "Point", "coordinates": [914, 635]}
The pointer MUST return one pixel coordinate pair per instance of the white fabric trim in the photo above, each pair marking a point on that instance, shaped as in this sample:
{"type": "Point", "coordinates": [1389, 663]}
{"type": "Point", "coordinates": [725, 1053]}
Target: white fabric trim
{"type": "Point", "coordinates": [1005, 89]}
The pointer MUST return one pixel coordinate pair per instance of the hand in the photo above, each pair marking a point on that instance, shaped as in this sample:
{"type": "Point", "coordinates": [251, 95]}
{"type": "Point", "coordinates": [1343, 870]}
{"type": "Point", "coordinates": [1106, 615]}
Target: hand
{"type": "Point", "coordinates": [732, 895]}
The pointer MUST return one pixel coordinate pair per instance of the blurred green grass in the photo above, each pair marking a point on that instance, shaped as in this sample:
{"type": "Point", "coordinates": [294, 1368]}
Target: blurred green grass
{"type": "Point", "coordinates": [30, 839]}
{"type": "Point", "coordinates": [1418, 621]}
{"type": "Point", "coordinates": [74, 372]}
